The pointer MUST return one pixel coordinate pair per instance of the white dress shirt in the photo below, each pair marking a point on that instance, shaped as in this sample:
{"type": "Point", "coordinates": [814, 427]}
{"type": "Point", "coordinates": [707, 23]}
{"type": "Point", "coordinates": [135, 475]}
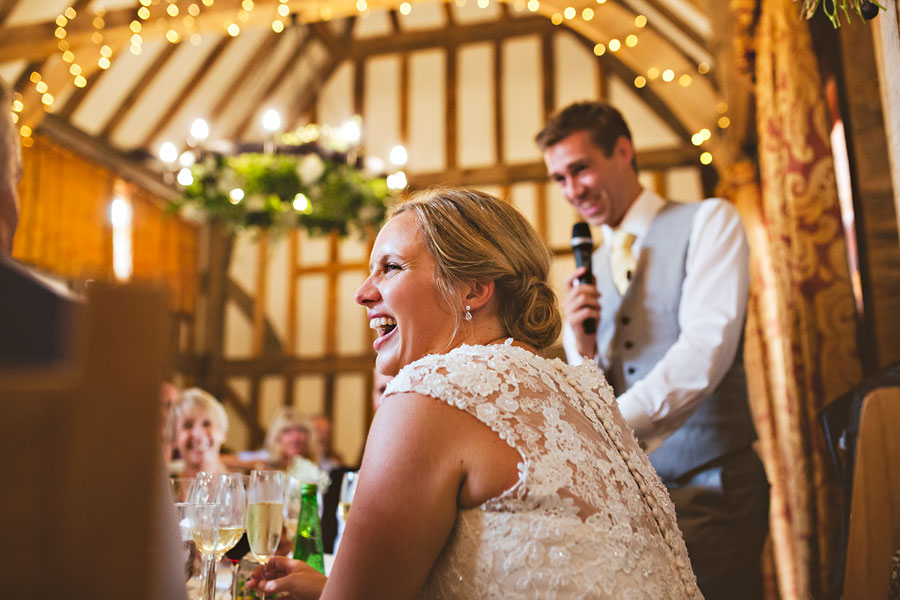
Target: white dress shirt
{"type": "Point", "coordinates": [710, 317]}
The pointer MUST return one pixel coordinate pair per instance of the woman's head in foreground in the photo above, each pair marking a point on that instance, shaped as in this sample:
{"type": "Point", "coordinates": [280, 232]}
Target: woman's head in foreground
{"type": "Point", "coordinates": [448, 249]}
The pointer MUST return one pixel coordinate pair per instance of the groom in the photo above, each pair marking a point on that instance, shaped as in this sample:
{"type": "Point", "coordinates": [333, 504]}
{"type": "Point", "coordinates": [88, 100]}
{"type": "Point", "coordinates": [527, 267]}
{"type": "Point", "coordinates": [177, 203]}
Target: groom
{"type": "Point", "coordinates": [669, 303]}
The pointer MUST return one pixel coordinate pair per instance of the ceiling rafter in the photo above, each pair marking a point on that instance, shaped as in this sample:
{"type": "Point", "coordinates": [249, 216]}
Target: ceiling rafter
{"type": "Point", "coordinates": [451, 35]}
{"type": "Point", "coordinates": [256, 58]}
{"type": "Point", "coordinates": [321, 31]}
{"type": "Point", "coordinates": [34, 111]}
{"type": "Point", "coordinates": [653, 100]}
{"type": "Point", "coordinates": [651, 160]}
{"type": "Point", "coordinates": [674, 19]}
{"type": "Point", "coordinates": [37, 40]}
{"type": "Point", "coordinates": [300, 48]}
{"type": "Point", "coordinates": [191, 84]}
{"type": "Point", "coordinates": [308, 95]}
{"type": "Point", "coordinates": [395, 21]}
{"type": "Point", "coordinates": [142, 84]}
{"type": "Point", "coordinates": [6, 7]}
{"type": "Point", "coordinates": [77, 97]}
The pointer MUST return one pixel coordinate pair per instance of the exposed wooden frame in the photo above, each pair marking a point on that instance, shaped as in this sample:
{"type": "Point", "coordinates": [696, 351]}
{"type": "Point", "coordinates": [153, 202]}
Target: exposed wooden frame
{"type": "Point", "coordinates": [305, 101]}
{"type": "Point", "coordinates": [451, 36]}
{"type": "Point", "coordinates": [499, 146]}
{"type": "Point", "coordinates": [300, 47]}
{"type": "Point", "coordinates": [191, 84]}
{"type": "Point", "coordinates": [450, 106]}
{"type": "Point", "coordinates": [254, 61]}
{"type": "Point", "coordinates": [6, 7]}
{"type": "Point", "coordinates": [500, 174]}
{"type": "Point", "coordinates": [548, 81]}
{"type": "Point", "coordinates": [135, 93]}
{"type": "Point", "coordinates": [77, 97]}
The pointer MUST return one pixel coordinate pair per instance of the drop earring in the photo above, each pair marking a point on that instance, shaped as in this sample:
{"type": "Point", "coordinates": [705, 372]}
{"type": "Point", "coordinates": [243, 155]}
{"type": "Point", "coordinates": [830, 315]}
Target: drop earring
{"type": "Point", "coordinates": [468, 313]}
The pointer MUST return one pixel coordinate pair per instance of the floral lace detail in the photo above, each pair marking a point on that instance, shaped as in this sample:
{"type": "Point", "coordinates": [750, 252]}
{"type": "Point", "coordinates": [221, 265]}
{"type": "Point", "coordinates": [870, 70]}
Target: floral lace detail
{"type": "Point", "coordinates": [588, 517]}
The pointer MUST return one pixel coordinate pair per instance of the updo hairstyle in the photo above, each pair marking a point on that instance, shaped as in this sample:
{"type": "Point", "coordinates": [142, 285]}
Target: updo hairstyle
{"type": "Point", "coordinates": [473, 236]}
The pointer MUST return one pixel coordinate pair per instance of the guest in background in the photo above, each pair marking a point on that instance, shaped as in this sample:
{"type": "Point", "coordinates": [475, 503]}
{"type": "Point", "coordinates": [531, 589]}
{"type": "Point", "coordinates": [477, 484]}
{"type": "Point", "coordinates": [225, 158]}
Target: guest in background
{"type": "Point", "coordinates": [669, 304]}
{"type": "Point", "coordinates": [197, 428]}
{"type": "Point", "coordinates": [290, 435]}
{"type": "Point", "coordinates": [329, 458]}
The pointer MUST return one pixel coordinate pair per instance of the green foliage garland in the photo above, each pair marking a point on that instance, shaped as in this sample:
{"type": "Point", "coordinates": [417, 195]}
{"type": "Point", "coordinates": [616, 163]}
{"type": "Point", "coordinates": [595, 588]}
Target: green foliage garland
{"type": "Point", "coordinates": [320, 193]}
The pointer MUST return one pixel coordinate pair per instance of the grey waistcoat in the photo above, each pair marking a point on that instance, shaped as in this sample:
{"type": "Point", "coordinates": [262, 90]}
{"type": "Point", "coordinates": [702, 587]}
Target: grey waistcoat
{"type": "Point", "coordinates": [635, 331]}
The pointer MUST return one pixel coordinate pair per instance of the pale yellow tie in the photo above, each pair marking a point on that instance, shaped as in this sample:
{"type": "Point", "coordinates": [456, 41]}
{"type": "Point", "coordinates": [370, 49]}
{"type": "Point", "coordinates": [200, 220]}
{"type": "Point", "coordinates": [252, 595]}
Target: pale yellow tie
{"type": "Point", "coordinates": [621, 260]}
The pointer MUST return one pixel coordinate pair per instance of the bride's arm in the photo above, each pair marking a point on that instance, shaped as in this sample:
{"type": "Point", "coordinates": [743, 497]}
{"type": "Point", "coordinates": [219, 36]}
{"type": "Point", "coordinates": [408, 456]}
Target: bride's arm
{"type": "Point", "coordinates": [406, 501]}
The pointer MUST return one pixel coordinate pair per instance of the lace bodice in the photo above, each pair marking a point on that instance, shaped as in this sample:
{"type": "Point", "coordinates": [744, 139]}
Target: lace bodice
{"type": "Point", "coordinates": [588, 517]}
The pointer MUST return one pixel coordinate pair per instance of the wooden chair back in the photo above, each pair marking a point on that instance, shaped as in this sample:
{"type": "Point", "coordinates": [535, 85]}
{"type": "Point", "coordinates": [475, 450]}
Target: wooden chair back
{"type": "Point", "coordinates": [83, 508]}
{"type": "Point", "coordinates": [874, 532]}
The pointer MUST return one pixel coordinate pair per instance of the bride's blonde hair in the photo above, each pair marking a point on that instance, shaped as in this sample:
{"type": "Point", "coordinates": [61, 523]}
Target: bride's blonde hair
{"type": "Point", "coordinates": [473, 236]}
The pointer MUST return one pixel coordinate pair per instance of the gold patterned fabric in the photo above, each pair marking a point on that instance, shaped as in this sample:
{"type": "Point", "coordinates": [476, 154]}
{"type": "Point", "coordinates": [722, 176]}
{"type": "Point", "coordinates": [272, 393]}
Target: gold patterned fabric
{"type": "Point", "coordinates": [64, 225]}
{"type": "Point", "coordinates": [801, 328]}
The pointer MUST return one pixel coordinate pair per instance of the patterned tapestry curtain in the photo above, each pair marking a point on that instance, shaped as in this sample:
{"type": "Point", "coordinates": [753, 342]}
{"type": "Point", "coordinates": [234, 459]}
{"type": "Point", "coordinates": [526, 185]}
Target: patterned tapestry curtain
{"type": "Point", "coordinates": [64, 225]}
{"type": "Point", "coordinates": [801, 327]}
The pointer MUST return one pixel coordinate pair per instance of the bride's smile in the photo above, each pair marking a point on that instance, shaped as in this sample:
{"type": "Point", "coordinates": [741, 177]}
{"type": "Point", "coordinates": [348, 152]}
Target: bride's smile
{"type": "Point", "coordinates": [402, 302]}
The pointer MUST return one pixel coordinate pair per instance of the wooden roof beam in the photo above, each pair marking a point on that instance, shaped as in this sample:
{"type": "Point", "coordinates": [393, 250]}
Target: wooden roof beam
{"type": "Point", "coordinates": [300, 48]}
{"type": "Point", "coordinates": [191, 84]}
{"type": "Point", "coordinates": [143, 83]}
{"type": "Point", "coordinates": [6, 7]}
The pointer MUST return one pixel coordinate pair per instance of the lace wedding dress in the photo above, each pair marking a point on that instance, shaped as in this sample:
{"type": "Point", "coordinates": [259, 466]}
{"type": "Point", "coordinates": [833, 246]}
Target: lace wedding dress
{"type": "Point", "coordinates": [588, 517]}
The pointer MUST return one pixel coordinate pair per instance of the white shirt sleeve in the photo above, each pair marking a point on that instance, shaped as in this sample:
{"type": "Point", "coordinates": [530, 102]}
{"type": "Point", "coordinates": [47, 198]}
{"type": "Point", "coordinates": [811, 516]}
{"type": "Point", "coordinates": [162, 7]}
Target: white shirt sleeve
{"type": "Point", "coordinates": [711, 319]}
{"type": "Point", "coordinates": [570, 346]}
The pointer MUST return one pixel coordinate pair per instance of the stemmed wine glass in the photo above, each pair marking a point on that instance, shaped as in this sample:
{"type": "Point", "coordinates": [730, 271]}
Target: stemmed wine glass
{"type": "Point", "coordinates": [198, 524]}
{"type": "Point", "coordinates": [228, 492]}
{"type": "Point", "coordinates": [291, 506]}
{"type": "Point", "coordinates": [265, 516]}
{"type": "Point", "coordinates": [348, 490]}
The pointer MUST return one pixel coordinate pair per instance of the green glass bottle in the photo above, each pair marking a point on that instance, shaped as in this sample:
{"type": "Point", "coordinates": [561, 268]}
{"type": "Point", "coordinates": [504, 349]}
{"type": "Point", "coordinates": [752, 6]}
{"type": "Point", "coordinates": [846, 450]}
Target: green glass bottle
{"type": "Point", "coordinates": [308, 541]}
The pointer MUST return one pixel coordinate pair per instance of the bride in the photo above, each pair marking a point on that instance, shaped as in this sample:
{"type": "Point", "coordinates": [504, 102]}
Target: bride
{"type": "Point", "coordinates": [489, 470]}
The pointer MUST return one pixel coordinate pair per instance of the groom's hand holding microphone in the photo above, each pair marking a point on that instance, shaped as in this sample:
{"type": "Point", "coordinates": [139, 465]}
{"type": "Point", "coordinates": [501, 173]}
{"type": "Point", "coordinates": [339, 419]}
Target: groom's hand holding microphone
{"type": "Point", "coordinates": [582, 301]}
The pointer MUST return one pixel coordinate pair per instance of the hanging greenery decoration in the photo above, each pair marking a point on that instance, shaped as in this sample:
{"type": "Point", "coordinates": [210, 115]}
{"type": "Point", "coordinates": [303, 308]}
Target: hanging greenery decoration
{"type": "Point", "coordinates": [313, 178]}
{"type": "Point", "coordinates": [320, 193]}
{"type": "Point", "coordinates": [865, 9]}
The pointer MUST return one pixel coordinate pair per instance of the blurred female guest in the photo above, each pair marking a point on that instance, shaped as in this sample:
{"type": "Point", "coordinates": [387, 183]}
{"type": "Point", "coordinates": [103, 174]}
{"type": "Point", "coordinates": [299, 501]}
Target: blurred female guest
{"type": "Point", "coordinates": [290, 435]}
{"type": "Point", "coordinates": [490, 471]}
{"type": "Point", "coordinates": [197, 428]}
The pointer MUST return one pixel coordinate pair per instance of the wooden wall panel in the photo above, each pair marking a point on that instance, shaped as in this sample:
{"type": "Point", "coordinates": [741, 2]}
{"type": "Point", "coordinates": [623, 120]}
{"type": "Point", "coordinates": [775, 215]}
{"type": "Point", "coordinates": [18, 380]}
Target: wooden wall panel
{"type": "Point", "coordinates": [381, 117]}
{"type": "Point", "coordinates": [427, 143]}
{"type": "Point", "coordinates": [475, 101]}
{"type": "Point", "coordinates": [522, 112]}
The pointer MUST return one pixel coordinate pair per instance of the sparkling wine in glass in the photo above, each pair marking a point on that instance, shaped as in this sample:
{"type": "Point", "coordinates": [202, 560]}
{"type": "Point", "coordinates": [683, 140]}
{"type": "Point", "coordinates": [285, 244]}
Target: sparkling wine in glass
{"type": "Point", "coordinates": [227, 491]}
{"type": "Point", "coordinates": [265, 514]}
{"type": "Point", "coordinates": [199, 528]}
{"type": "Point", "coordinates": [348, 490]}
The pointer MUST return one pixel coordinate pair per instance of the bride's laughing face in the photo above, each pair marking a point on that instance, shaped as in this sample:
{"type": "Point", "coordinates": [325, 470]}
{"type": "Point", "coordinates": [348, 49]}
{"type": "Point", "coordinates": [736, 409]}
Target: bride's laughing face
{"type": "Point", "coordinates": [402, 299]}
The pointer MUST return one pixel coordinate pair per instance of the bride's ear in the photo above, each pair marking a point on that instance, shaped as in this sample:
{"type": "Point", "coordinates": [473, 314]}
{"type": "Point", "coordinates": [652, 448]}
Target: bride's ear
{"type": "Point", "coordinates": [478, 293]}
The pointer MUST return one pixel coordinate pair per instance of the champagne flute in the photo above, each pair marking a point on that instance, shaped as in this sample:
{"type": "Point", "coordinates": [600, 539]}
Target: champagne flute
{"type": "Point", "coordinates": [228, 493]}
{"type": "Point", "coordinates": [348, 490]}
{"type": "Point", "coordinates": [265, 516]}
{"type": "Point", "coordinates": [201, 522]}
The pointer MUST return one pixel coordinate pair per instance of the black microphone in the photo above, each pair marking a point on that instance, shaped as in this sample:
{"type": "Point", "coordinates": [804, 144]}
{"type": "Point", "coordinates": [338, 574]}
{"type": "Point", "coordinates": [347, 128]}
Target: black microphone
{"type": "Point", "coordinates": [582, 247]}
